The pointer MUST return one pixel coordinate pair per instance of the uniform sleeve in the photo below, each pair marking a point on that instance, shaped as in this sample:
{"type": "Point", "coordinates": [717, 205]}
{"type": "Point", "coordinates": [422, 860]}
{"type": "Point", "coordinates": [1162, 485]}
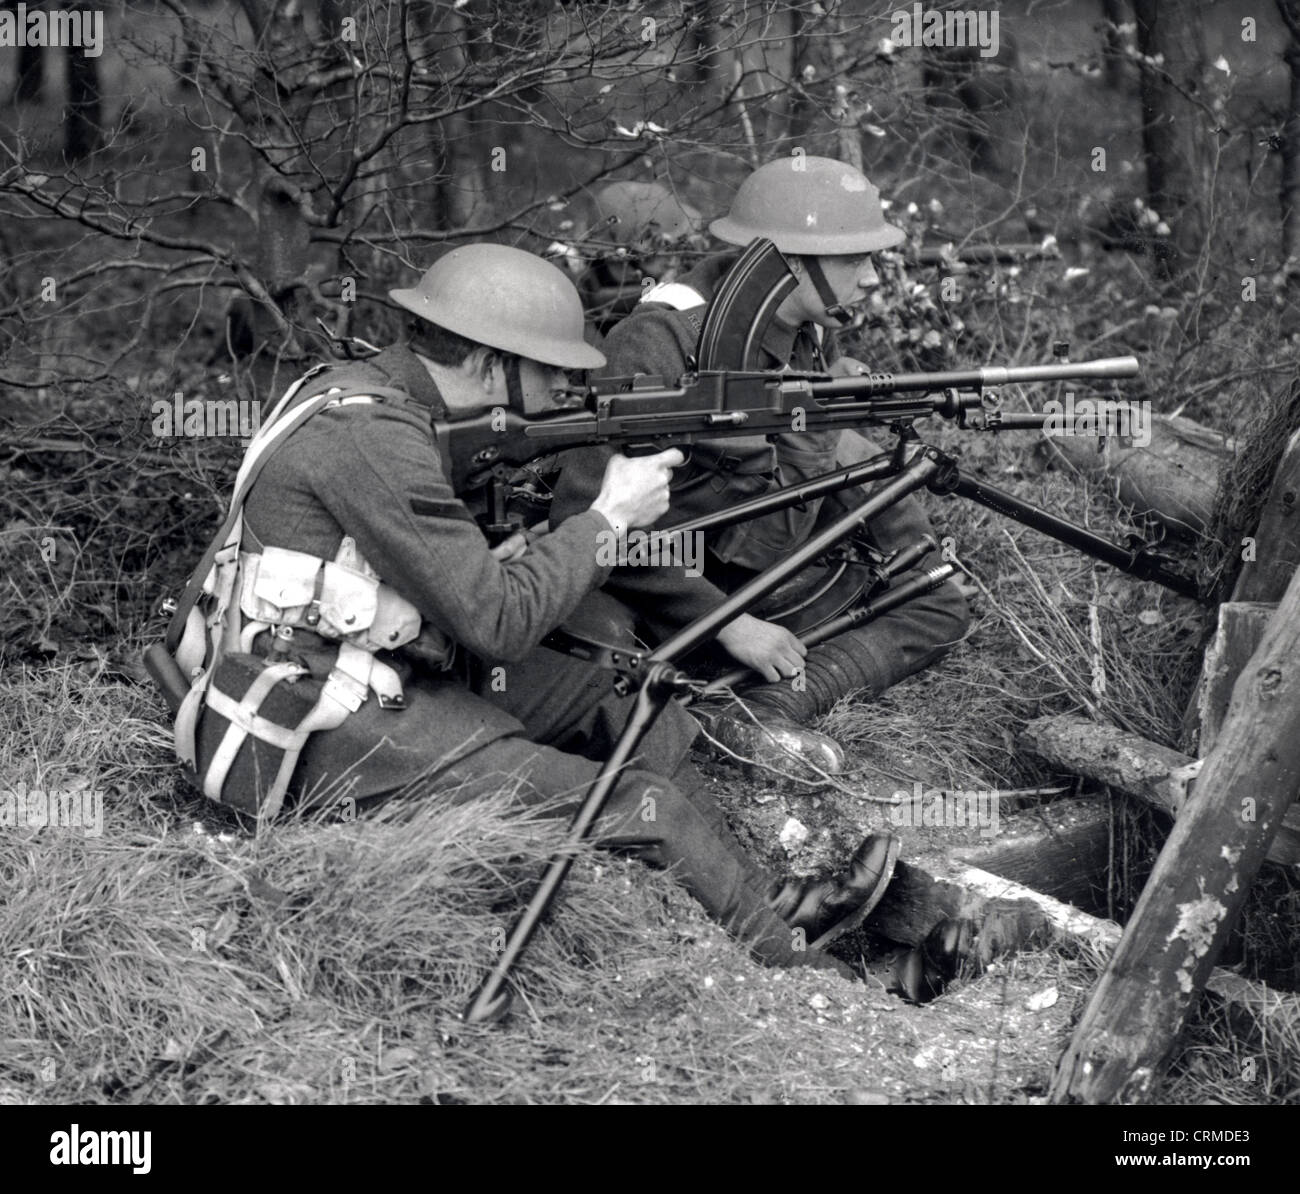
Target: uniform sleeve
{"type": "Point", "coordinates": [393, 498]}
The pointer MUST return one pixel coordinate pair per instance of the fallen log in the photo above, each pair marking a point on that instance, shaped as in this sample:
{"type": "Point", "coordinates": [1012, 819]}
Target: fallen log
{"type": "Point", "coordinates": [1275, 553]}
{"type": "Point", "coordinates": [1013, 917]}
{"type": "Point", "coordinates": [1201, 879]}
{"type": "Point", "coordinates": [1174, 478]}
{"type": "Point", "coordinates": [1137, 767]}
{"type": "Point", "coordinates": [1271, 555]}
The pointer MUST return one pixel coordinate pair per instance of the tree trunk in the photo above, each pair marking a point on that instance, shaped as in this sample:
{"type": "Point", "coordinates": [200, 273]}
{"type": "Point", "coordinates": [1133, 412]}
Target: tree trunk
{"type": "Point", "coordinates": [459, 154]}
{"type": "Point", "coordinates": [1290, 188]}
{"type": "Point", "coordinates": [1168, 169]}
{"type": "Point", "coordinates": [31, 74]}
{"type": "Point", "coordinates": [1113, 44]}
{"type": "Point", "coordinates": [82, 122]}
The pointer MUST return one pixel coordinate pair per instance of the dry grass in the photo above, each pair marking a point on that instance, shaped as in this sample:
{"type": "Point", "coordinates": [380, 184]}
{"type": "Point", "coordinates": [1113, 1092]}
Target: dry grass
{"type": "Point", "coordinates": [174, 958]}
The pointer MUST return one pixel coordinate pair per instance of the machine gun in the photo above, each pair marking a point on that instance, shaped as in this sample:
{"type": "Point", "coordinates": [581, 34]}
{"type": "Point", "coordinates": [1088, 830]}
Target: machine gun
{"type": "Point", "coordinates": [640, 415]}
{"type": "Point", "coordinates": [711, 402]}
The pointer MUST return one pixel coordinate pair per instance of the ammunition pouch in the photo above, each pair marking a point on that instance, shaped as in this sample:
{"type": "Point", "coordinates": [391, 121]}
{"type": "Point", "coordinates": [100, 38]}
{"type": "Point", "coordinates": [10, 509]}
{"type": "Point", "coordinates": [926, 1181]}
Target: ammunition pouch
{"type": "Point", "coordinates": [279, 587]}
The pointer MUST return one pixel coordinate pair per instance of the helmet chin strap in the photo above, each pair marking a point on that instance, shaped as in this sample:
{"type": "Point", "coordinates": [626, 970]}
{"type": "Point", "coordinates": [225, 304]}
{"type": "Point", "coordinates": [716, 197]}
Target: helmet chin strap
{"type": "Point", "coordinates": [514, 387]}
{"type": "Point", "coordinates": [834, 308]}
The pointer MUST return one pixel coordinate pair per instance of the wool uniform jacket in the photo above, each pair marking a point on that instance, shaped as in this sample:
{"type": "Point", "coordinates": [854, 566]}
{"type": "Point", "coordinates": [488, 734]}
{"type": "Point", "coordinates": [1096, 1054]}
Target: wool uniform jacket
{"type": "Point", "coordinates": [372, 471]}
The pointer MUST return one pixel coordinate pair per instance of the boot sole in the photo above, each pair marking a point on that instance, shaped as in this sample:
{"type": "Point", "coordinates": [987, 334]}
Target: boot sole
{"type": "Point", "coordinates": [865, 909]}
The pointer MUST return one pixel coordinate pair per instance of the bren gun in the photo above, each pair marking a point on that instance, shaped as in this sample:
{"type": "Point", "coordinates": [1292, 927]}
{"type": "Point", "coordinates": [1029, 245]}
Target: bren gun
{"type": "Point", "coordinates": [711, 403]}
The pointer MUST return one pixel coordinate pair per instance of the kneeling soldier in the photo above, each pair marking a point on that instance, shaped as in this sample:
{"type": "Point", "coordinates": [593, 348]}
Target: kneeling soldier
{"type": "Point", "coordinates": [353, 585]}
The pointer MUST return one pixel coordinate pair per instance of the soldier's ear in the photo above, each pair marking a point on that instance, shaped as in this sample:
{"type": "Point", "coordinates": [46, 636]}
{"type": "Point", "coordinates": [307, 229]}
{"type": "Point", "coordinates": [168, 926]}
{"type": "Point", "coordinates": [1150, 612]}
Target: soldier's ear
{"type": "Point", "coordinates": [480, 364]}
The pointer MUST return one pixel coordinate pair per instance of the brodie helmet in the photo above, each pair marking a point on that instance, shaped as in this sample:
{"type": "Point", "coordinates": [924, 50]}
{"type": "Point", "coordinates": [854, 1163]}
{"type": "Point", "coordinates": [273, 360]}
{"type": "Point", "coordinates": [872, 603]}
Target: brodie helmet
{"type": "Point", "coordinates": [637, 214]}
{"type": "Point", "coordinates": [507, 299]}
{"type": "Point", "coordinates": [810, 206]}
{"type": "Point", "coordinates": [813, 207]}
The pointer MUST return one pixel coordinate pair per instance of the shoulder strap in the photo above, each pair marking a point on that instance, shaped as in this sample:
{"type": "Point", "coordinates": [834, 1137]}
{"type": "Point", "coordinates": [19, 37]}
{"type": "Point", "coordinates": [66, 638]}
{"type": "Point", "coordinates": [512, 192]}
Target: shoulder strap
{"type": "Point", "coordinates": [270, 436]}
{"type": "Point", "coordinates": [676, 295]}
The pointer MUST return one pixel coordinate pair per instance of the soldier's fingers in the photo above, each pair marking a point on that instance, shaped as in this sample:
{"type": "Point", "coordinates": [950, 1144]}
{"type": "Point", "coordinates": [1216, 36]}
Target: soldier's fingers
{"type": "Point", "coordinates": [511, 548]}
{"type": "Point", "coordinates": [669, 459]}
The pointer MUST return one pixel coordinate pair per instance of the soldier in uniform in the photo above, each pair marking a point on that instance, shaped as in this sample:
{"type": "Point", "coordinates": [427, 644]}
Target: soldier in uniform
{"type": "Point", "coordinates": [468, 702]}
{"type": "Point", "coordinates": [827, 218]}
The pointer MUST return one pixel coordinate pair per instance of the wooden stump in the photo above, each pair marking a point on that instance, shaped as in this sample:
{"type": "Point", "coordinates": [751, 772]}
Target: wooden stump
{"type": "Point", "coordinates": [1276, 553]}
{"type": "Point", "coordinates": [1200, 881]}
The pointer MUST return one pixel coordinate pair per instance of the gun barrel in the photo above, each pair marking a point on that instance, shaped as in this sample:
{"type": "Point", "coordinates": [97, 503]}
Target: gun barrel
{"type": "Point", "coordinates": [1000, 375]}
{"type": "Point", "coordinates": [878, 384]}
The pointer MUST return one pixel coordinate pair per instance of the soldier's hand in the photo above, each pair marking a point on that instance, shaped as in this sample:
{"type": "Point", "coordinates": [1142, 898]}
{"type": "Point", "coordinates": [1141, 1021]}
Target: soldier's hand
{"type": "Point", "coordinates": [847, 367]}
{"type": "Point", "coordinates": [634, 492]}
{"type": "Point", "coordinates": [511, 548]}
{"type": "Point", "coordinates": [771, 650]}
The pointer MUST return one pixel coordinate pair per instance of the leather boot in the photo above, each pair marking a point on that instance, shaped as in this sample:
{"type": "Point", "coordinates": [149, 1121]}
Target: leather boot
{"type": "Point", "coordinates": [923, 973]}
{"type": "Point", "coordinates": [774, 743]}
{"type": "Point", "coordinates": [828, 908]}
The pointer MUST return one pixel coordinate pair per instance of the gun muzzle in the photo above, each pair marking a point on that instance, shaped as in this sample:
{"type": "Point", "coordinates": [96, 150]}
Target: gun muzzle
{"type": "Point", "coordinates": [1001, 375]}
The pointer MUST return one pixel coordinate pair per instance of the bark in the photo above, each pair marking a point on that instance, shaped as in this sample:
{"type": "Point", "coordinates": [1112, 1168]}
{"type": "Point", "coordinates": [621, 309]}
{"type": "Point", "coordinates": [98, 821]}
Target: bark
{"type": "Point", "coordinates": [1289, 193]}
{"type": "Point", "coordinates": [1174, 477]}
{"type": "Point", "coordinates": [1200, 882]}
{"type": "Point", "coordinates": [1135, 766]}
{"type": "Point", "coordinates": [1116, 14]}
{"type": "Point", "coordinates": [1164, 147]}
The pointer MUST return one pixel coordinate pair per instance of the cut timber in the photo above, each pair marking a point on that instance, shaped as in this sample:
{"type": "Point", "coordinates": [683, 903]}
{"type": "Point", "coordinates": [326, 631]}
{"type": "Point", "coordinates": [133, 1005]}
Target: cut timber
{"type": "Point", "coordinates": [1277, 542]}
{"type": "Point", "coordinates": [1137, 767]}
{"type": "Point", "coordinates": [1275, 554]}
{"type": "Point", "coordinates": [1174, 477]}
{"type": "Point", "coordinates": [1236, 638]}
{"type": "Point", "coordinates": [1267, 1019]}
{"type": "Point", "coordinates": [919, 897]}
{"type": "Point", "coordinates": [1061, 851]}
{"type": "Point", "coordinates": [1200, 881]}
{"type": "Point", "coordinates": [1066, 857]}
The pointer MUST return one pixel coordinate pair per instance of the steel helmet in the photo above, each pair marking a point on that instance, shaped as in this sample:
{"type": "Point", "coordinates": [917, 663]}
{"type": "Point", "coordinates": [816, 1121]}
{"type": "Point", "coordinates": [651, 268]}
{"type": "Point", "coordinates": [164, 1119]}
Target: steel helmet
{"type": "Point", "coordinates": [644, 212]}
{"type": "Point", "coordinates": [507, 299]}
{"type": "Point", "coordinates": [809, 206]}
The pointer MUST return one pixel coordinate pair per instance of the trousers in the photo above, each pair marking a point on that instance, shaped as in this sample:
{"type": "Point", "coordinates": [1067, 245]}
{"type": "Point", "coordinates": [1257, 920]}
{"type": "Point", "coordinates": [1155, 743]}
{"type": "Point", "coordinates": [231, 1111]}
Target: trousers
{"type": "Point", "coordinates": [543, 724]}
{"type": "Point", "coordinates": [877, 655]}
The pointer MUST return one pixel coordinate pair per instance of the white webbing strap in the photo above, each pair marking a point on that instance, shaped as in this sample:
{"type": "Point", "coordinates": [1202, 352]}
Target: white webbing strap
{"type": "Point", "coordinates": [344, 692]}
{"type": "Point", "coordinates": [242, 716]}
{"type": "Point", "coordinates": [223, 550]}
{"type": "Point", "coordinates": [676, 295]}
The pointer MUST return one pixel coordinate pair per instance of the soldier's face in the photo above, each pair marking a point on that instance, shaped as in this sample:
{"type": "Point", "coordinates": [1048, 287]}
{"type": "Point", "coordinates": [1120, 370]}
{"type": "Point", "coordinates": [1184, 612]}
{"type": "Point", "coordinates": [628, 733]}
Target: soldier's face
{"type": "Point", "coordinates": [851, 279]}
{"type": "Point", "coordinates": [543, 386]}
